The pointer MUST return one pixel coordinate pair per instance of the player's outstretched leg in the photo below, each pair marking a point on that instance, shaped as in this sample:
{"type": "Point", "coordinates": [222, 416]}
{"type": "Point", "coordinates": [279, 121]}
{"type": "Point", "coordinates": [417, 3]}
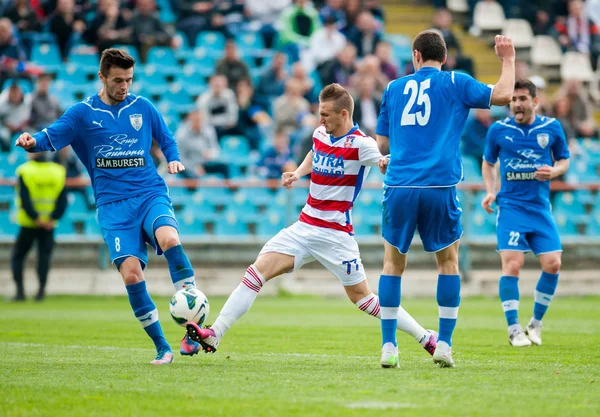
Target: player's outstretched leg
{"type": "Point", "coordinates": [241, 299]}
{"type": "Point", "coordinates": [544, 291]}
{"type": "Point", "coordinates": [180, 269]}
{"type": "Point", "coordinates": [509, 296]}
{"type": "Point", "coordinates": [405, 322]}
{"type": "Point", "coordinates": [147, 314]}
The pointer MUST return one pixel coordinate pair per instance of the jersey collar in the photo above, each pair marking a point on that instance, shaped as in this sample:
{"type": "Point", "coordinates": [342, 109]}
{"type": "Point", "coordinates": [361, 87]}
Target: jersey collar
{"type": "Point", "coordinates": [354, 129]}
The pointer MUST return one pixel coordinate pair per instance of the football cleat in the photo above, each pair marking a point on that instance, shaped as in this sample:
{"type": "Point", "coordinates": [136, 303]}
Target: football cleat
{"type": "Point", "coordinates": [164, 356]}
{"type": "Point", "coordinates": [518, 339]}
{"type": "Point", "coordinates": [443, 355]}
{"type": "Point", "coordinates": [206, 337]}
{"type": "Point", "coordinates": [389, 356]}
{"type": "Point", "coordinates": [188, 347]}
{"type": "Point", "coordinates": [432, 342]}
{"type": "Point", "coordinates": [534, 333]}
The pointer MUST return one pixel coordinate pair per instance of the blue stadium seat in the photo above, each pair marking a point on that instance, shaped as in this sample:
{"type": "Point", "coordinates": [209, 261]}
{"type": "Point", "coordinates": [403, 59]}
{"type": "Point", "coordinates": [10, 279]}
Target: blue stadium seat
{"type": "Point", "coordinates": [565, 223]}
{"type": "Point", "coordinates": [8, 227]}
{"type": "Point", "coordinates": [567, 203]}
{"type": "Point", "coordinates": [154, 80]}
{"type": "Point", "coordinates": [212, 41]}
{"type": "Point", "coordinates": [250, 41]}
{"type": "Point", "coordinates": [471, 171]}
{"type": "Point", "coordinates": [593, 227]}
{"type": "Point", "coordinates": [131, 50]}
{"type": "Point", "coordinates": [230, 225]}
{"type": "Point", "coordinates": [166, 14]}
{"type": "Point", "coordinates": [270, 223]}
{"type": "Point", "coordinates": [202, 62]}
{"type": "Point", "coordinates": [91, 226]}
{"type": "Point", "coordinates": [218, 196]}
{"type": "Point", "coordinates": [85, 61]}
{"type": "Point", "coordinates": [361, 226]}
{"type": "Point", "coordinates": [77, 204]}
{"type": "Point", "coordinates": [245, 211]}
{"type": "Point", "coordinates": [47, 55]}
{"type": "Point", "coordinates": [161, 56]}
{"type": "Point", "coordinates": [259, 196]}
{"type": "Point", "coordinates": [481, 223]}
{"type": "Point", "coordinates": [585, 197]}
{"type": "Point", "coordinates": [71, 74]}
{"type": "Point", "coordinates": [193, 82]}
{"type": "Point", "coordinates": [191, 224]}
{"type": "Point", "coordinates": [65, 227]}
{"type": "Point", "coordinates": [237, 149]}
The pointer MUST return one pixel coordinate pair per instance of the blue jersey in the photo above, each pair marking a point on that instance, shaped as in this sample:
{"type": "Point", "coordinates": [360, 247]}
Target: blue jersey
{"type": "Point", "coordinates": [113, 142]}
{"type": "Point", "coordinates": [522, 149]}
{"type": "Point", "coordinates": [423, 115]}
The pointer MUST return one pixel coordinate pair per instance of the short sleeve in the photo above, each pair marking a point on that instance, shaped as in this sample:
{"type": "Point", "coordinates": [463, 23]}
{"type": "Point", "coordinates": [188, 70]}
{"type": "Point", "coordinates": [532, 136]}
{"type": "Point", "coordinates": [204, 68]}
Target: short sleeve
{"type": "Point", "coordinates": [368, 152]}
{"type": "Point", "coordinates": [61, 133]}
{"type": "Point", "coordinates": [490, 155]}
{"type": "Point", "coordinates": [560, 147]}
{"type": "Point", "coordinates": [471, 92]}
{"type": "Point", "coordinates": [383, 123]}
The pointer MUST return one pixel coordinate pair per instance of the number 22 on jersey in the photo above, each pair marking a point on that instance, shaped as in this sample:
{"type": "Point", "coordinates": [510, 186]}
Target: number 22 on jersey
{"type": "Point", "coordinates": [417, 93]}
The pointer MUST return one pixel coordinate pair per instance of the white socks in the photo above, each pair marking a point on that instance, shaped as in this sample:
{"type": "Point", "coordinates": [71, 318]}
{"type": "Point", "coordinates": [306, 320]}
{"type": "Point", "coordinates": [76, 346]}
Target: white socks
{"type": "Point", "coordinates": [370, 305]}
{"type": "Point", "coordinates": [239, 302]}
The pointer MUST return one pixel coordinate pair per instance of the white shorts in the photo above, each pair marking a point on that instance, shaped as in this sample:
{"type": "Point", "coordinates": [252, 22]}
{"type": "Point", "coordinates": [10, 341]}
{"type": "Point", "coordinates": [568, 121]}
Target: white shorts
{"type": "Point", "coordinates": [335, 250]}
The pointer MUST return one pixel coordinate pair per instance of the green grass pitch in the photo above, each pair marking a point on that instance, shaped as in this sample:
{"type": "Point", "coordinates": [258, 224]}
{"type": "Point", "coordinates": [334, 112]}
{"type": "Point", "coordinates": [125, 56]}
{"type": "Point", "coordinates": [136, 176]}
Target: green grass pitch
{"type": "Point", "coordinates": [294, 356]}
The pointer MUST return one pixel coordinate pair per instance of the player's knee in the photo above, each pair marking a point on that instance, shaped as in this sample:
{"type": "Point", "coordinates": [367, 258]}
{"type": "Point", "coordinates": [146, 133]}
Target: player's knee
{"type": "Point", "coordinates": [391, 268]}
{"type": "Point", "coordinates": [131, 273]}
{"type": "Point", "coordinates": [169, 241]}
{"type": "Point", "coordinates": [552, 265]}
{"type": "Point", "coordinates": [448, 267]}
{"type": "Point", "coordinates": [512, 267]}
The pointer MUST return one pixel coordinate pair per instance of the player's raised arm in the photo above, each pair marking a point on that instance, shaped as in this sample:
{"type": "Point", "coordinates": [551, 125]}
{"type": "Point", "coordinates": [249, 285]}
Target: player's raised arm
{"type": "Point", "coordinates": [305, 168]}
{"type": "Point", "coordinates": [166, 141]}
{"type": "Point", "coordinates": [59, 134]}
{"type": "Point", "coordinates": [503, 91]}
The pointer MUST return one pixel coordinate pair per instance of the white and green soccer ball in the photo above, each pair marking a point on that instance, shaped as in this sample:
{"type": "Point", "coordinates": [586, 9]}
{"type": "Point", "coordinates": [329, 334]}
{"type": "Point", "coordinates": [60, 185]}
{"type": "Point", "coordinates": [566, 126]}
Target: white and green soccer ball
{"type": "Point", "coordinates": [189, 305]}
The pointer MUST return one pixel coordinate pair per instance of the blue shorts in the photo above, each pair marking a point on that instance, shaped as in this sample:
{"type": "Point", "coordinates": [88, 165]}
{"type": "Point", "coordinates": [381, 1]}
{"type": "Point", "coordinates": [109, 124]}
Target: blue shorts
{"type": "Point", "coordinates": [524, 229]}
{"type": "Point", "coordinates": [127, 225]}
{"type": "Point", "coordinates": [435, 212]}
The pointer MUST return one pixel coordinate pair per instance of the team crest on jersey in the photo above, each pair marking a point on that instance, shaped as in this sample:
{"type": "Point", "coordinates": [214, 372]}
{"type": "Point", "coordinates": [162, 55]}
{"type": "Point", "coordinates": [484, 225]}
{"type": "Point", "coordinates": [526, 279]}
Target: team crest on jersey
{"type": "Point", "coordinates": [543, 139]}
{"type": "Point", "coordinates": [137, 121]}
{"type": "Point", "coordinates": [349, 141]}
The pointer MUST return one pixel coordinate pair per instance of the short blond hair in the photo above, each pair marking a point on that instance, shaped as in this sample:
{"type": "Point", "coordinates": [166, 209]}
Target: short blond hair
{"type": "Point", "coordinates": [340, 96]}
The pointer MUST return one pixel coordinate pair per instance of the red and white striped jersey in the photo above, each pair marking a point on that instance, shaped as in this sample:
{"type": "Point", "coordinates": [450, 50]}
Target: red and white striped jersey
{"type": "Point", "coordinates": [339, 168]}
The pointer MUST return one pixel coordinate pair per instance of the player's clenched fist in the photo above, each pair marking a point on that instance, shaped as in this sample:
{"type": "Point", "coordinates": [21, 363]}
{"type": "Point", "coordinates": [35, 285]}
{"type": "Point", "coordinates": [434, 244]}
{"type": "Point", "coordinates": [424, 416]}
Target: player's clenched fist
{"type": "Point", "coordinates": [383, 164]}
{"type": "Point", "coordinates": [25, 141]}
{"type": "Point", "coordinates": [504, 47]}
{"type": "Point", "coordinates": [175, 167]}
{"type": "Point", "coordinates": [288, 178]}
{"type": "Point", "coordinates": [487, 203]}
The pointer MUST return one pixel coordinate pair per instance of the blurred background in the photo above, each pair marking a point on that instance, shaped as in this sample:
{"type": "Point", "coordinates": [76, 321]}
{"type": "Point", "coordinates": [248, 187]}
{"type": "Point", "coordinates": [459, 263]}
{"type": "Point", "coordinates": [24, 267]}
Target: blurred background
{"type": "Point", "coordinates": [238, 83]}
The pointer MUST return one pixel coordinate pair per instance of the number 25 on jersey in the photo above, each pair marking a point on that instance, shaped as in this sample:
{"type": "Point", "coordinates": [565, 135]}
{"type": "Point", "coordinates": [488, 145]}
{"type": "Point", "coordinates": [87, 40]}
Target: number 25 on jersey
{"type": "Point", "coordinates": [417, 93]}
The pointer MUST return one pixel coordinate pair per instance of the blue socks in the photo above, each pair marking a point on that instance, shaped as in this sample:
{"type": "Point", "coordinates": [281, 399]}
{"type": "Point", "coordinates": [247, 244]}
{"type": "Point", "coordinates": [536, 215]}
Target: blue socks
{"type": "Point", "coordinates": [389, 300]}
{"type": "Point", "coordinates": [145, 311]}
{"type": "Point", "coordinates": [448, 299]}
{"type": "Point", "coordinates": [509, 296]}
{"type": "Point", "coordinates": [544, 291]}
{"type": "Point", "coordinates": [180, 268]}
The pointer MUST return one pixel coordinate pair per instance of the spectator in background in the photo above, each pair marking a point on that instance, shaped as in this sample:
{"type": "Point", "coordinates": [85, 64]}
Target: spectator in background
{"type": "Point", "coordinates": [229, 14]}
{"type": "Point", "coordinates": [442, 21]}
{"type": "Point", "coordinates": [231, 66]}
{"type": "Point", "coordinates": [23, 17]}
{"type": "Point", "coordinates": [577, 32]}
{"type": "Point", "coordinates": [199, 148]}
{"type": "Point", "coordinates": [364, 35]}
{"type": "Point", "coordinates": [544, 107]}
{"type": "Point", "coordinates": [522, 70]}
{"type": "Point", "coordinates": [367, 105]}
{"type": "Point", "coordinates": [474, 134]}
{"type": "Point", "coordinates": [193, 17]}
{"type": "Point", "coordinates": [219, 105]}
{"type": "Point", "coordinates": [369, 67]}
{"type": "Point", "coordinates": [252, 119]}
{"type": "Point", "coordinates": [306, 83]}
{"type": "Point", "coordinates": [12, 55]}
{"type": "Point", "coordinates": [340, 69]}
{"type": "Point", "coordinates": [109, 28]}
{"type": "Point", "coordinates": [580, 108]}
{"type": "Point", "coordinates": [66, 25]}
{"type": "Point", "coordinates": [384, 53]}
{"type": "Point", "coordinates": [45, 109]}
{"type": "Point", "coordinates": [277, 159]}
{"type": "Point", "coordinates": [328, 35]}
{"type": "Point", "coordinates": [352, 9]}
{"type": "Point", "coordinates": [562, 112]}
{"type": "Point", "coordinates": [333, 11]}
{"type": "Point", "coordinates": [375, 9]}
{"type": "Point", "coordinates": [15, 110]}
{"type": "Point", "coordinates": [298, 22]}
{"type": "Point", "coordinates": [264, 15]}
{"type": "Point", "coordinates": [148, 29]}
{"type": "Point", "coordinates": [272, 82]}
{"type": "Point", "coordinates": [290, 108]}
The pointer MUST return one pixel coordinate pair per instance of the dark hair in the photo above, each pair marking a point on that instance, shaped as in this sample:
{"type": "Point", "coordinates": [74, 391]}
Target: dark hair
{"type": "Point", "coordinates": [523, 84]}
{"type": "Point", "coordinates": [431, 46]}
{"type": "Point", "coordinates": [115, 58]}
{"type": "Point", "coordinates": [339, 95]}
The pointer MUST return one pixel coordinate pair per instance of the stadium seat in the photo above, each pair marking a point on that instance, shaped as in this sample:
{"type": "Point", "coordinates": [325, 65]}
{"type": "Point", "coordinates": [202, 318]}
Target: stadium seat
{"type": "Point", "coordinates": [25, 85]}
{"type": "Point", "coordinates": [71, 74]}
{"type": "Point", "coordinates": [237, 149]}
{"type": "Point", "coordinates": [8, 227]}
{"type": "Point", "coordinates": [593, 227]}
{"type": "Point", "coordinates": [585, 197]}
{"type": "Point", "coordinates": [457, 6]}
{"type": "Point", "coordinates": [270, 223]}
{"type": "Point", "coordinates": [191, 224]}
{"type": "Point", "coordinates": [47, 56]}
{"type": "Point", "coordinates": [481, 224]}
{"type": "Point", "coordinates": [259, 196]}
{"type": "Point", "coordinates": [193, 82]}
{"type": "Point", "coordinates": [219, 196]}
{"type": "Point", "coordinates": [230, 225]}
{"type": "Point", "coordinates": [545, 51]}
{"type": "Point", "coordinates": [576, 66]}
{"type": "Point", "coordinates": [84, 60]}
{"type": "Point", "coordinates": [471, 171]}
{"type": "Point", "coordinates": [212, 41]}
{"type": "Point", "coordinates": [131, 51]}
{"type": "Point", "coordinates": [246, 210]}
{"type": "Point", "coordinates": [520, 32]}
{"type": "Point", "coordinates": [568, 204]}
{"type": "Point", "coordinates": [201, 62]}
{"type": "Point", "coordinates": [488, 16]}
{"type": "Point", "coordinates": [250, 42]}
{"type": "Point", "coordinates": [155, 81]}
{"type": "Point", "coordinates": [161, 56]}
{"type": "Point", "coordinates": [566, 225]}
{"type": "Point", "coordinates": [65, 227]}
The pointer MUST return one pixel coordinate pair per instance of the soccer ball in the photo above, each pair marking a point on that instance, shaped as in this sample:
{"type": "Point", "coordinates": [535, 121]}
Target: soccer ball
{"type": "Point", "coordinates": [189, 305]}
